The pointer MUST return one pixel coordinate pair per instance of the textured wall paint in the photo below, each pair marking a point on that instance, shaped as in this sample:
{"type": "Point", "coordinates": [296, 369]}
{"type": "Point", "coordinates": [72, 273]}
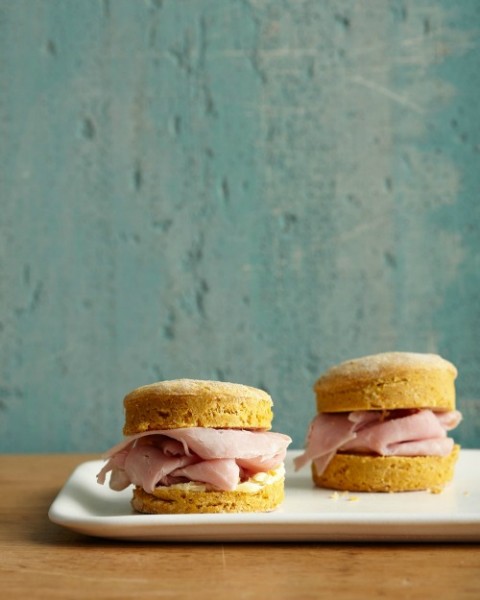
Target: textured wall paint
{"type": "Point", "coordinates": [249, 191]}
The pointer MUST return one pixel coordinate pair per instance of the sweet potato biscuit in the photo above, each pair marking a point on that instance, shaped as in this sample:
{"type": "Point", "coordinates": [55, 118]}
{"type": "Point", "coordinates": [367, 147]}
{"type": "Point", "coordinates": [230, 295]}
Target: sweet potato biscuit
{"type": "Point", "coordinates": [194, 403]}
{"type": "Point", "coordinates": [175, 500]}
{"type": "Point", "coordinates": [388, 381]}
{"type": "Point", "coordinates": [360, 473]}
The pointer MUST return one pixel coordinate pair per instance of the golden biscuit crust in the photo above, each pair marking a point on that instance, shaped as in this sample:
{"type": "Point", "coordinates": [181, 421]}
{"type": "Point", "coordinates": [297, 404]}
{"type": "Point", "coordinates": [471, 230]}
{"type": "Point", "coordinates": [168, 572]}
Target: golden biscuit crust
{"type": "Point", "coordinates": [196, 403]}
{"type": "Point", "coordinates": [167, 500]}
{"type": "Point", "coordinates": [388, 381]}
{"type": "Point", "coordinates": [359, 473]}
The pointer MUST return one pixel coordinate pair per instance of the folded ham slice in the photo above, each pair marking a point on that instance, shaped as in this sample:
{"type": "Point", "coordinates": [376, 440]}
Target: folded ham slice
{"type": "Point", "coordinates": [400, 433]}
{"type": "Point", "coordinates": [220, 458]}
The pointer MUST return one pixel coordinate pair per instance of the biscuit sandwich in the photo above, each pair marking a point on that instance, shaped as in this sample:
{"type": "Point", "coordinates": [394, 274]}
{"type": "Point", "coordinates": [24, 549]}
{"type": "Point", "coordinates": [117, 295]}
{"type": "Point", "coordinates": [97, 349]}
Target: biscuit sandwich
{"type": "Point", "coordinates": [196, 446]}
{"type": "Point", "coordinates": [383, 423]}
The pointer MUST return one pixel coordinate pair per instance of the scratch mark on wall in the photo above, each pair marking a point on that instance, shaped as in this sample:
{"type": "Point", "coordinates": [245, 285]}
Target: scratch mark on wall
{"type": "Point", "coordinates": [137, 177]}
{"type": "Point", "coordinates": [287, 52]}
{"type": "Point", "coordinates": [87, 128]}
{"type": "Point", "coordinates": [363, 227]}
{"type": "Point", "coordinates": [388, 93]}
{"type": "Point", "coordinates": [270, 109]}
{"type": "Point", "coordinates": [51, 48]}
{"type": "Point", "coordinates": [106, 8]}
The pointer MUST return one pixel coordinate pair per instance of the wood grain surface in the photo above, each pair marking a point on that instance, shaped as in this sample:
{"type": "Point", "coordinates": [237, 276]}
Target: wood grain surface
{"type": "Point", "coordinates": [42, 560]}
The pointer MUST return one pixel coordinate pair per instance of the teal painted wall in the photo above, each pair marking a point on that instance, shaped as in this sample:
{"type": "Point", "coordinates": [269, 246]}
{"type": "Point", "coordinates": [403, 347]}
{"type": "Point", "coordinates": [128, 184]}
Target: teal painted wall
{"type": "Point", "coordinates": [242, 190]}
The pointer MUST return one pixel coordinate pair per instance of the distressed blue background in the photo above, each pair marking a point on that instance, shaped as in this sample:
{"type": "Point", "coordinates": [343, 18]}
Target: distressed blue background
{"type": "Point", "coordinates": [240, 190]}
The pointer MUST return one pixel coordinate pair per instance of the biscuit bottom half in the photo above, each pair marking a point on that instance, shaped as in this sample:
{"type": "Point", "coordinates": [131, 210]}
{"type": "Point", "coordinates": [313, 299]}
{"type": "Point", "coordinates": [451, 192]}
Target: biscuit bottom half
{"type": "Point", "coordinates": [182, 500]}
{"type": "Point", "coordinates": [362, 473]}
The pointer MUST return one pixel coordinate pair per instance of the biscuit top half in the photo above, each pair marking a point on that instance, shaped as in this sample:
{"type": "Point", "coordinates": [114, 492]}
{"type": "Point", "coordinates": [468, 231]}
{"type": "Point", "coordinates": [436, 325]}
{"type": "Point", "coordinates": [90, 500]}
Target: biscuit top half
{"type": "Point", "coordinates": [196, 403]}
{"type": "Point", "coordinates": [388, 381]}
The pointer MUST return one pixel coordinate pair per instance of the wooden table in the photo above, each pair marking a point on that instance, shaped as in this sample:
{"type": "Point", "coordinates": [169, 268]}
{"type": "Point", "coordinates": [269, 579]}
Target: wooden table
{"type": "Point", "coordinates": [41, 560]}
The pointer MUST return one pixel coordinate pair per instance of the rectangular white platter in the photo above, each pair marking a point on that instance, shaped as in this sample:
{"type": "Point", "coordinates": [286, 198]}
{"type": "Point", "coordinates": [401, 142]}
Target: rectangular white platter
{"type": "Point", "coordinates": [307, 514]}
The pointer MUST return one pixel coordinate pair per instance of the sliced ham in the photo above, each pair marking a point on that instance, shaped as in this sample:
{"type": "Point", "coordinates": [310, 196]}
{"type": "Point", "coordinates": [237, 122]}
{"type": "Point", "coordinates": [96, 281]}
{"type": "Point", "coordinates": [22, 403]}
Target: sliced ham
{"type": "Point", "coordinates": [380, 435]}
{"type": "Point", "coordinates": [116, 464]}
{"type": "Point", "coordinates": [449, 419]}
{"type": "Point", "coordinates": [260, 464]}
{"type": "Point", "coordinates": [431, 447]}
{"type": "Point", "coordinates": [222, 473]}
{"type": "Point", "coordinates": [364, 417]}
{"type": "Point", "coordinates": [217, 457]}
{"type": "Point", "coordinates": [119, 480]}
{"type": "Point", "coordinates": [211, 444]}
{"type": "Point", "coordinates": [326, 434]}
{"type": "Point", "coordinates": [147, 465]}
{"type": "Point", "coordinates": [401, 433]}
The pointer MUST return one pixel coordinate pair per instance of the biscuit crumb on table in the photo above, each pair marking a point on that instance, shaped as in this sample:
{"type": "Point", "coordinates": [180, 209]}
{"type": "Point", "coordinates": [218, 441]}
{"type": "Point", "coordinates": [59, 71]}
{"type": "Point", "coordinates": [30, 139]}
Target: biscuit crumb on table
{"type": "Point", "coordinates": [343, 496]}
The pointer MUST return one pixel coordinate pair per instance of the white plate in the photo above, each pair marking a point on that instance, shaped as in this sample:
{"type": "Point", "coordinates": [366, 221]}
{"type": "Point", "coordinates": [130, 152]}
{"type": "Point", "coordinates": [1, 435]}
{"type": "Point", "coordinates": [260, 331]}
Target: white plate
{"type": "Point", "coordinates": [308, 513]}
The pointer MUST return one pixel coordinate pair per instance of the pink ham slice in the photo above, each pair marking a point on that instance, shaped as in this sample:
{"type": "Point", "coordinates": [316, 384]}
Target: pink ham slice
{"type": "Point", "coordinates": [231, 443]}
{"type": "Point", "coordinates": [431, 447]}
{"type": "Point", "coordinates": [327, 432]}
{"type": "Point", "coordinates": [148, 465]}
{"type": "Point", "coordinates": [217, 457]}
{"type": "Point", "coordinates": [222, 473]}
{"type": "Point", "coordinates": [420, 433]}
{"type": "Point", "coordinates": [380, 437]}
{"type": "Point", "coordinates": [259, 464]}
